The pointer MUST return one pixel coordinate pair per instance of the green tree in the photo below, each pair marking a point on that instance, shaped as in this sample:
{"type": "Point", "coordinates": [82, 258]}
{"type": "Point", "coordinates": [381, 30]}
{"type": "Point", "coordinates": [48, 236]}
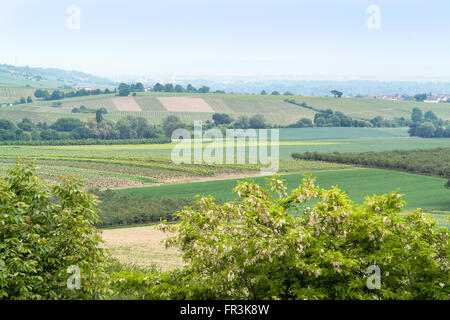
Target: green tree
{"type": "Point", "coordinates": [447, 176]}
{"type": "Point", "coordinates": [203, 89]}
{"type": "Point", "coordinates": [430, 116]}
{"type": "Point", "coordinates": [47, 231]}
{"type": "Point", "coordinates": [98, 116]}
{"type": "Point", "coordinates": [222, 118]}
{"type": "Point", "coordinates": [49, 134]}
{"type": "Point", "coordinates": [426, 130]}
{"type": "Point", "coordinates": [29, 100]}
{"type": "Point", "coordinates": [139, 87]}
{"type": "Point", "coordinates": [243, 122]}
{"type": "Point", "coordinates": [416, 115]}
{"type": "Point", "coordinates": [158, 87]}
{"type": "Point", "coordinates": [336, 93]}
{"type": "Point", "coordinates": [320, 120]}
{"type": "Point", "coordinates": [170, 124]}
{"type": "Point", "coordinates": [257, 122]}
{"type": "Point", "coordinates": [169, 88]}
{"type": "Point", "coordinates": [7, 125]}
{"type": "Point", "coordinates": [421, 97]}
{"type": "Point", "coordinates": [190, 88]}
{"type": "Point", "coordinates": [253, 248]}
{"type": "Point", "coordinates": [303, 123]}
{"type": "Point", "coordinates": [179, 88]}
{"type": "Point", "coordinates": [26, 125]}
{"type": "Point", "coordinates": [123, 86]}
{"type": "Point", "coordinates": [39, 93]}
{"type": "Point", "coordinates": [67, 124]}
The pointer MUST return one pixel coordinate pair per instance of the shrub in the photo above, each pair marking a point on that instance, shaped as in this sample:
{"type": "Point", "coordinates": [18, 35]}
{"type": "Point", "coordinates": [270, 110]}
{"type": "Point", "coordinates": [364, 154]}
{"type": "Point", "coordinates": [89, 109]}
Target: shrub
{"type": "Point", "coordinates": [45, 229]}
{"type": "Point", "coordinates": [254, 249]}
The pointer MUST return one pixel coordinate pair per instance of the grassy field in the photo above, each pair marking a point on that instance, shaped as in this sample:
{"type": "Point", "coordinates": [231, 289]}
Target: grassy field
{"type": "Point", "coordinates": [9, 95]}
{"type": "Point", "coordinates": [142, 245]}
{"type": "Point", "coordinates": [291, 140]}
{"type": "Point", "coordinates": [135, 165]}
{"type": "Point", "coordinates": [355, 140]}
{"type": "Point", "coordinates": [420, 191]}
{"type": "Point", "coordinates": [274, 109]}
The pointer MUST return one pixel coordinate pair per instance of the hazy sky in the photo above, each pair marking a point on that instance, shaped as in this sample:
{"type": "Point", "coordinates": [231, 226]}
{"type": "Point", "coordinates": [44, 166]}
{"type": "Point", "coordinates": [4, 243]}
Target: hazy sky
{"type": "Point", "coordinates": [311, 38]}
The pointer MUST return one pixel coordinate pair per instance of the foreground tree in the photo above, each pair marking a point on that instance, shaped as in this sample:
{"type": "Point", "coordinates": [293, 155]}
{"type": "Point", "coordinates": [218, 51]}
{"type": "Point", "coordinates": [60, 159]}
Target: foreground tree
{"type": "Point", "coordinates": [254, 249]}
{"type": "Point", "coordinates": [47, 239]}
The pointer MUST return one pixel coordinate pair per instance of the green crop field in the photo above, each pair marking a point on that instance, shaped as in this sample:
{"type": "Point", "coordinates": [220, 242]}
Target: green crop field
{"type": "Point", "coordinates": [293, 140]}
{"type": "Point", "coordinates": [420, 191]}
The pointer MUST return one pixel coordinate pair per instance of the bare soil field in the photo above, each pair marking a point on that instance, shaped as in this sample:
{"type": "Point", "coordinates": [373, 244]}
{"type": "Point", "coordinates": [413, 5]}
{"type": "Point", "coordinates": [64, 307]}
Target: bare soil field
{"type": "Point", "coordinates": [142, 246]}
{"type": "Point", "coordinates": [185, 104]}
{"type": "Point", "coordinates": [126, 104]}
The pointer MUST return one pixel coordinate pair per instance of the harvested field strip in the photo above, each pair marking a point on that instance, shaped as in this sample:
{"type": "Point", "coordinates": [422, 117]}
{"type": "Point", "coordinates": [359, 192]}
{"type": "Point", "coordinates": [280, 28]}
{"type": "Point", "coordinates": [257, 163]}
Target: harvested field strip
{"type": "Point", "coordinates": [126, 104]}
{"type": "Point", "coordinates": [143, 246]}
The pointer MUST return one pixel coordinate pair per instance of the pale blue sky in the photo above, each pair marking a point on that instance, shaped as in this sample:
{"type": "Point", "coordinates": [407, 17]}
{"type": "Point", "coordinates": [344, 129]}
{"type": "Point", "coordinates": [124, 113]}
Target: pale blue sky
{"type": "Point", "coordinates": [312, 38]}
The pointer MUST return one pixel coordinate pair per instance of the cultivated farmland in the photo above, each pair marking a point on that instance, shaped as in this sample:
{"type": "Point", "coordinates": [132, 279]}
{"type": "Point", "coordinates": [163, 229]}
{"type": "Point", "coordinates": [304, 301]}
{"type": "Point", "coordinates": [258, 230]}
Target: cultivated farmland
{"type": "Point", "coordinates": [198, 106]}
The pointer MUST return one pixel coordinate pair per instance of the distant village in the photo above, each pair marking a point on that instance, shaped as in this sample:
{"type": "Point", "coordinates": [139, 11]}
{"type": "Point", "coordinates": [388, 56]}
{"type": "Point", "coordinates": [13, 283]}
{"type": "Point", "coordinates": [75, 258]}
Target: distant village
{"type": "Point", "coordinates": [428, 98]}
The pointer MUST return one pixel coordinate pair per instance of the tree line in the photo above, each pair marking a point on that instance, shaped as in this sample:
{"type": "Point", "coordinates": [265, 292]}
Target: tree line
{"type": "Point", "coordinates": [117, 209]}
{"type": "Point", "coordinates": [99, 129]}
{"type": "Point", "coordinates": [330, 118]}
{"type": "Point", "coordinates": [76, 129]}
{"type": "Point", "coordinates": [428, 125]}
{"type": "Point", "coordinates": [44, 94]}
{"type": "Point", "coordinates": [428, 162]}
{"type": "Point", "coordinates": [22, 100]}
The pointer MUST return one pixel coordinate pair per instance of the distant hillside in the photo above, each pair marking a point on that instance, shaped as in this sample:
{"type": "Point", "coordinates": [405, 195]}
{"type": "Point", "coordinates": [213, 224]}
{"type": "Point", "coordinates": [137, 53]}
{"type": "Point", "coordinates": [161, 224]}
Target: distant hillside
{"type": "Point", "coordinates": [13, 76]}
{"type": "Point", "coordinates": [313, 87]}
{"type": "Point", "coordinates": [196, 106]}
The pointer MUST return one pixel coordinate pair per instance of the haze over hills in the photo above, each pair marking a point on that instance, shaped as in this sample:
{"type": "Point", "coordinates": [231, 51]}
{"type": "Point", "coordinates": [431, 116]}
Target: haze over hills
{"type": "Point", "coordinates": [313, 87]}
{"type": "Point", "coordinates": [25, 76]}
{"type": "Point", "coordinates": [17, 76]}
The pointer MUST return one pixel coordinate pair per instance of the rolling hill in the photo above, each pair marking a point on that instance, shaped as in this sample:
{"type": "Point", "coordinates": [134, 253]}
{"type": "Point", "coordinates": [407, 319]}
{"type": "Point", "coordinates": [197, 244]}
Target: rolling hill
{"type": "Point", "coordinates": [196, 106]}
{"type": "Point", "coordinates": [15, 76]}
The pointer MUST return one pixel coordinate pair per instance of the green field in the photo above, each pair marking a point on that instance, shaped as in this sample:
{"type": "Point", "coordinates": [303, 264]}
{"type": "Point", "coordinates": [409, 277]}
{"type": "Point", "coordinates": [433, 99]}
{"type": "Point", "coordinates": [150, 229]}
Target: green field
{"type": "Point", "coordinates": [423, 192]}
{"type": "Point", "coordinates": [291, 140]}
{"type": "Point", "coordinates": [131, 165]}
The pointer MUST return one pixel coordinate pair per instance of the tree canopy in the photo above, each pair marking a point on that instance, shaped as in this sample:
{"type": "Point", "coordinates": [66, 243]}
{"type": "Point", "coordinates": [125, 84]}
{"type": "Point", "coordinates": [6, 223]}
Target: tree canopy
{"type": "Point", "coordinates": [332, 248]}
{"type": "Point", "coordinates": [47, 235]}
